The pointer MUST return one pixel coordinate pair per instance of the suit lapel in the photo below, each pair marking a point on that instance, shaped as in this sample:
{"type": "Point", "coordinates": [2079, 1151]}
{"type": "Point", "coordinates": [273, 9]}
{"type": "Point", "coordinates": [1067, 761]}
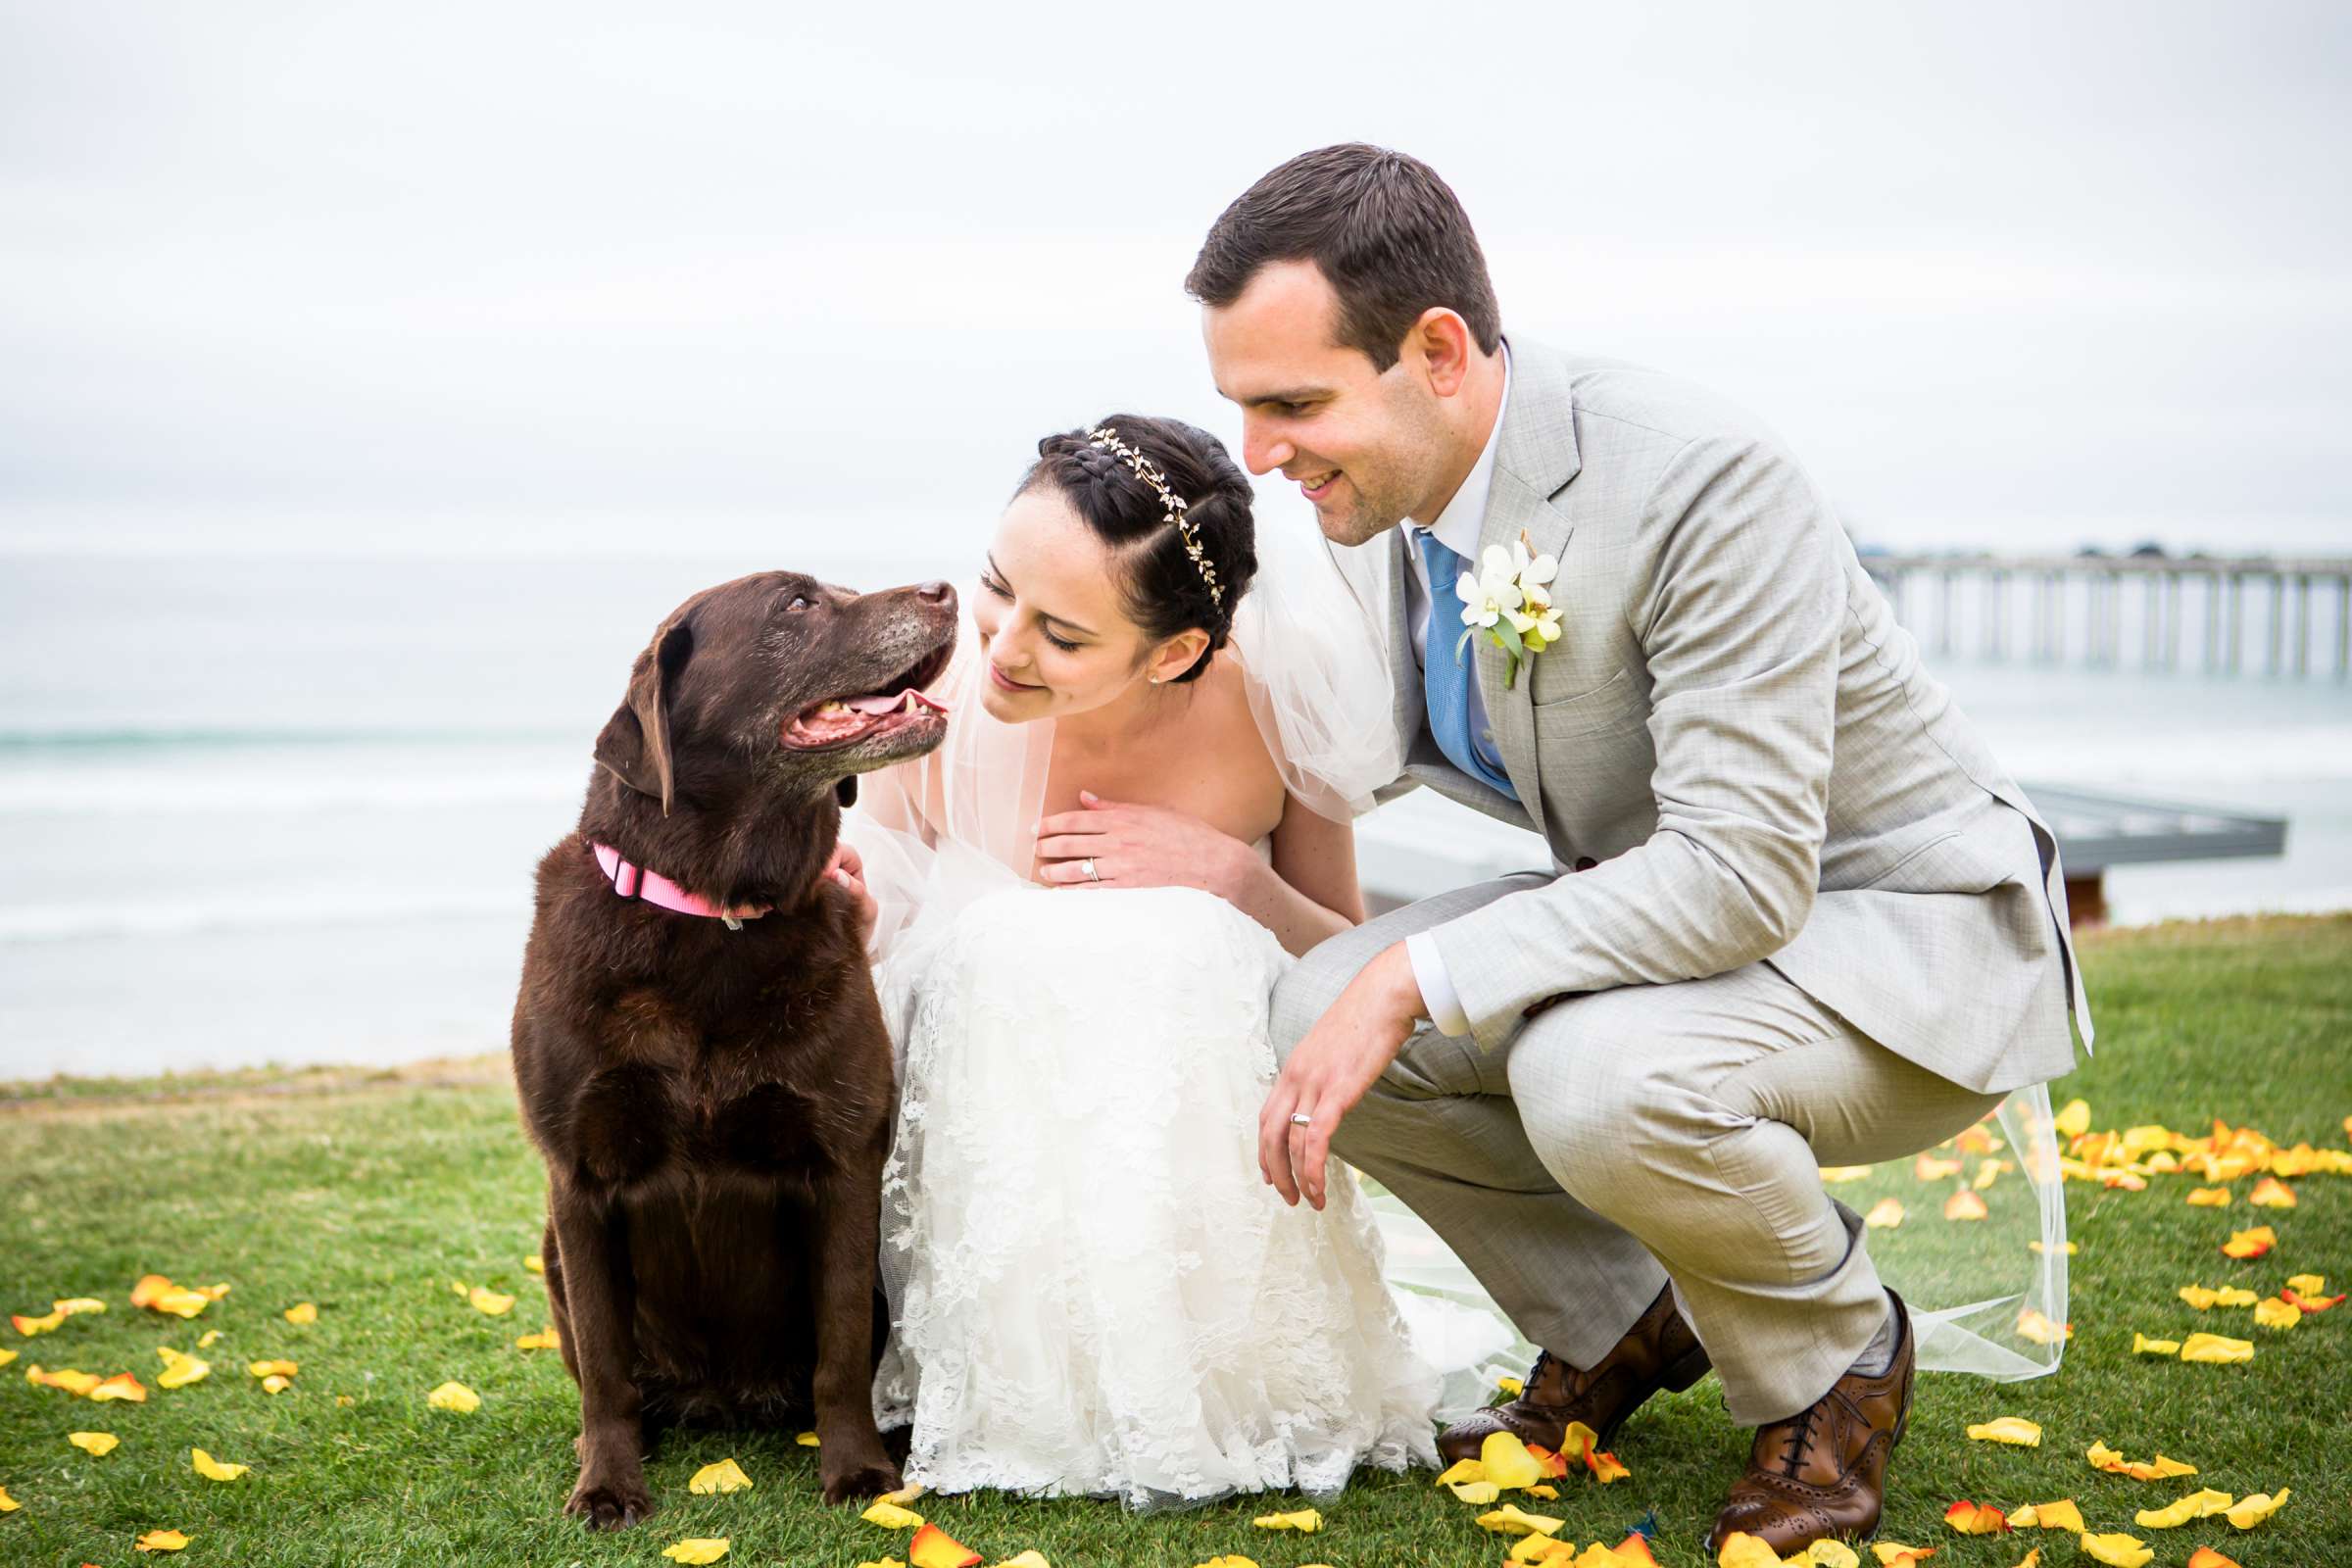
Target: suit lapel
{"type": "Point", "coordinates": [1537, 457]}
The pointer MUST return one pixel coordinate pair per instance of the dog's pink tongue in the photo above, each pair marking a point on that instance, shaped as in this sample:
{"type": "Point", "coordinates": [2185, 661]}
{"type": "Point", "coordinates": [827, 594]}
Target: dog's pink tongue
{"type": "Point", "coordinates": [876, 705]}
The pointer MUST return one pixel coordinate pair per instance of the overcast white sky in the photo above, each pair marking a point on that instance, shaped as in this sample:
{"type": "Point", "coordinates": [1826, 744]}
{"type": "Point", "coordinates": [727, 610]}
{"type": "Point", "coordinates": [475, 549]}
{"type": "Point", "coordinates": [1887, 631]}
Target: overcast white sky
{"type": "Point", "coordinates": [508, 276]}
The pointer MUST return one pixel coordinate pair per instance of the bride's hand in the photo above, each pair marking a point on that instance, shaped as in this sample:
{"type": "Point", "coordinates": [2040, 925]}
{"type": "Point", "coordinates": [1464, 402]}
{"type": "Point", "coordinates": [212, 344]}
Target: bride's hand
{"type": "Point", "coordinates": [1136, 847]}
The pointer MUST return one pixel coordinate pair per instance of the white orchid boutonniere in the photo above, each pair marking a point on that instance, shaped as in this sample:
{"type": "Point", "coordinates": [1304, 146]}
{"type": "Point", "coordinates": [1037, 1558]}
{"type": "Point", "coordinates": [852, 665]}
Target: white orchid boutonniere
{"type": "Point", "coordinates": [1509, 597]}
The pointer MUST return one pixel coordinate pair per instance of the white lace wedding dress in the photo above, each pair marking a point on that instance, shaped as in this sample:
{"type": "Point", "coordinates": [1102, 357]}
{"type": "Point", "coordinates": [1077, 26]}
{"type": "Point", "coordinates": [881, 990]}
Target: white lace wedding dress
{"type": "Point", "coordinates": [1095, 1291]}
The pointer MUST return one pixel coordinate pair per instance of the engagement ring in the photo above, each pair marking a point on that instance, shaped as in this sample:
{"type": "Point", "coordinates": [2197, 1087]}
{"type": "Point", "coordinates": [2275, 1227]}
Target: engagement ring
{"type": "Point", "coordinates": [1300, 1118]}
{"type": "Point", "coordinates": [1087, 866]}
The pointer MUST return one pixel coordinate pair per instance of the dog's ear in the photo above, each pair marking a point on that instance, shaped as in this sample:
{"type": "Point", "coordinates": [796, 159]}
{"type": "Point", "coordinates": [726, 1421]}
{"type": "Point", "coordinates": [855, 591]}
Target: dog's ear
{"type": "Point", "coordinates": [846, 792]}
{"type": "Point", "coordinates": [635, 743]}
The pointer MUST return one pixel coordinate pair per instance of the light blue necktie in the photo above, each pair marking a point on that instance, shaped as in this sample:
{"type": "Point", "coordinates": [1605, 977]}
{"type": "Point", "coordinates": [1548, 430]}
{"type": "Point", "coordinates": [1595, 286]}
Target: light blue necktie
{"type": "Point", "coordinates": [1446, 678]}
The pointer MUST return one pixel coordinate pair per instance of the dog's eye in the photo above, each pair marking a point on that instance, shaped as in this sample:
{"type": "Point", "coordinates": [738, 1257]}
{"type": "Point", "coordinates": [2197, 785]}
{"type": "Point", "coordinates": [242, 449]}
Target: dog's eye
{"type": "Point", "coordinates": [798, 604]}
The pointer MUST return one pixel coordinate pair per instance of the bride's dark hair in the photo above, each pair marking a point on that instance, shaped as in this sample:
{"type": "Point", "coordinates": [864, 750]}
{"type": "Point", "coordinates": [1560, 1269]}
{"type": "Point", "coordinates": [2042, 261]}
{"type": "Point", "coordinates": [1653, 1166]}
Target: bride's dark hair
{"type": "Point", "coordinates": [1165, 590]}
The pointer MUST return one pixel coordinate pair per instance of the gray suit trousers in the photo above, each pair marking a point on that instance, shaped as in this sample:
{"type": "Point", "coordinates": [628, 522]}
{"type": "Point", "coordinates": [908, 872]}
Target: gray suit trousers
{"type": "Point", "coordinates": [1627, 1138]}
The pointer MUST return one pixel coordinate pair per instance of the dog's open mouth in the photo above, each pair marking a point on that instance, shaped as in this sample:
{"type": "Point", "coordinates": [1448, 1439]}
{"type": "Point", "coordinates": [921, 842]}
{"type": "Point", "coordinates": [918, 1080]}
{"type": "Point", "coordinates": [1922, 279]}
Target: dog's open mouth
{"type": "Point", "coordinates": [901, 704]}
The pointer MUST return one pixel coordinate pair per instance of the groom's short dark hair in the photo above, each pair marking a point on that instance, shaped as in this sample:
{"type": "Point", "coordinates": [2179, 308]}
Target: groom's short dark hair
{"type": "Point", "coordinates": [1384, 229]}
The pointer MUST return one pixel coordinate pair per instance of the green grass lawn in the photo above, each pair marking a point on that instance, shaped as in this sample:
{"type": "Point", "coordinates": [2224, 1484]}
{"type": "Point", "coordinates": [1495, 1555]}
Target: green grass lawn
{"type": "Point", "coordinates": [370, 1194]}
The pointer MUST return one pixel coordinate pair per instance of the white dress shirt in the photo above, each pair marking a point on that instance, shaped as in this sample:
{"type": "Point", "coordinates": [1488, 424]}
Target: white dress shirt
{"type": "Point", "coordinates": [1456, 528]}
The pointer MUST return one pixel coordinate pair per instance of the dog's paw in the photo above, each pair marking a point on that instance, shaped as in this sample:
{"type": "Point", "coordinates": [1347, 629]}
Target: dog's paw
{"type": "Point", "coordinates": [855, 1479]}
{"type": "Point", "coordinates": [606, 1503]}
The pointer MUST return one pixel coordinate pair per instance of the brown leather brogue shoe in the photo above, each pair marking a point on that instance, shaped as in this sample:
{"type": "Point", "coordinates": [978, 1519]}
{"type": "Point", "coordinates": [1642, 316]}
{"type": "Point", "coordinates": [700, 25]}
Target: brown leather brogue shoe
{"type": "Point", "coordinates": [1822, 1471]}
{"type": "Point", "coordinates": [1658, 1352]}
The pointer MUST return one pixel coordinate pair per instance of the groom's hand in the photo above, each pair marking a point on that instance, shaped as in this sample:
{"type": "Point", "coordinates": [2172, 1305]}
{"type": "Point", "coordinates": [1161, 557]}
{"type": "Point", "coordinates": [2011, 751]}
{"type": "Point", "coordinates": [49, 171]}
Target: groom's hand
{"type": "Point", "coordinates": [1349, 1046]}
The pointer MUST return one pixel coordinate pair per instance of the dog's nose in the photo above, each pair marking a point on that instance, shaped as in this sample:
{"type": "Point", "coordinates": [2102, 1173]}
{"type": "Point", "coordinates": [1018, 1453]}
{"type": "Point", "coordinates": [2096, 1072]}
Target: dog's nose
{"type": "Point", "coordinates": [938, 593]}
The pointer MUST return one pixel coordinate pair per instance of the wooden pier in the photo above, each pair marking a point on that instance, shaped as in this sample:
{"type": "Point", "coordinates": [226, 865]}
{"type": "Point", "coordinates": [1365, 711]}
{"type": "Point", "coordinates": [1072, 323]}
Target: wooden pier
{"type": "Point", "coordinates": [2145, 611]}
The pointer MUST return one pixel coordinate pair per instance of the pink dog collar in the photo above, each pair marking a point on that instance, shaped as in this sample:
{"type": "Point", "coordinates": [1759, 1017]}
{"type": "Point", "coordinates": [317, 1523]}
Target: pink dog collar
{"type": "Point", "coordinates": [636, 882]}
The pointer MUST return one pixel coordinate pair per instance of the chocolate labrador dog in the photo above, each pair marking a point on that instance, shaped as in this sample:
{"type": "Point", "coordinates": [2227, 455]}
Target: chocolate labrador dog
{"type": "Point", "coordinates": [700, 1054]}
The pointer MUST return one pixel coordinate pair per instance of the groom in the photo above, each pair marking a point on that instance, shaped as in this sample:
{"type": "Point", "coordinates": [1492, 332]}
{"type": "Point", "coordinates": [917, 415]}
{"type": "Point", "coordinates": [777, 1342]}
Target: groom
{"type": "Point", "coordinates": [1798, 915]}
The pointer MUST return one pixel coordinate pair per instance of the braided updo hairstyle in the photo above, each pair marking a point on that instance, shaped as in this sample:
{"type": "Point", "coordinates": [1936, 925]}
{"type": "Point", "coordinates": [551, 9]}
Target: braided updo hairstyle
{"type": "Point", "coordinates": [1163, 588]}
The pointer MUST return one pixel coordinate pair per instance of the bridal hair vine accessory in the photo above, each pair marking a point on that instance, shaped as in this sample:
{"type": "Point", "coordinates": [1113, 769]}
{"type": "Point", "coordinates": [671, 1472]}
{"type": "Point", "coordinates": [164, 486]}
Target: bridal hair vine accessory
{"type": "Point", "coordinates": [1510, 596]}
{"type": "Point", "coordinates": [1170, 502]}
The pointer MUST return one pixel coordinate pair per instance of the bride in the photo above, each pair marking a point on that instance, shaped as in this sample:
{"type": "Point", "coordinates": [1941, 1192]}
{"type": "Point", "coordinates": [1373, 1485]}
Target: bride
{"type": "Point", "coordinates": [1082, 903]}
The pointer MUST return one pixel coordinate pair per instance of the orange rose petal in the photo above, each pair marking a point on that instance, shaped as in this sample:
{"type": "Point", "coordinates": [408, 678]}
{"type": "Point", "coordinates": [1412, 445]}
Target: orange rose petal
{"type": "Point", "coordinates": [46, 1323]}
{"type": "Point", "coordinates": [1554, 1465]}
{"type": "Point", "coordinates": [122, 1386]}
{"type": "Point", "coordinates": [2207, 1557]}
{"type": "Point", "coordinates": [1965, 1205]}
{"type": "Point", "coordinates": [1976, 1519]}
{"type": "Point", "coordinates": [1885, 1214]}
{"type": "Point", "coordinates": [1928, 1169]}
{"type": "Point", "coordinates": [1635, 1547]}
{"type": "Point", "coordinates": [1605, 1467]}
{"type": "Point", "coordinates": [1894, 1554]}
{"type": "Point", "coordinates": [934, 1548]}
{"type": "Point", "coordinates": [77, 1382]}
{"type": "Point", "coordinates": [2272, 1192]}
{"type": "Point", "coordinates": [2248, 1245]}
{"type": "Point", "coordinates": [2310, 1303]}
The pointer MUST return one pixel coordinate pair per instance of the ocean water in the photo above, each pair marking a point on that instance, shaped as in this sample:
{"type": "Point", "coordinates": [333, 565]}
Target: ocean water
{"type": "Point", "coordinates": [261, 808]}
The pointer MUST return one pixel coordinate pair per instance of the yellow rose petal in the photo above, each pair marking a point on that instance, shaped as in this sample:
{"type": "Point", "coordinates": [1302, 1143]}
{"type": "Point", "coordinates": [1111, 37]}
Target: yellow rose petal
{"type": "Point", "coordinates": [2271, 1313]}
{"type": "Point", "coordinates": [2141, 1344]}
{"type": "Point", "coordinates": [807, 1440]}
{"type": "Point", "coordinates": [213, 1469]}
{"type": "Point", "coordinates": [2119, 1551]}
{"type": "Point", "coordinates": [1507, 1462]}
{"type": "Point", "coordinates": [1032, 1559]}
{"type": "Point", "coordinates": [7, 1504]}
{"type": "Point", "coordinates": [890, 1516]}
{"type": "Point", "coordinates": [725, 1476]}
{"type": "Point", "coordinates": [2253, 1509]}
{"type": "Point", "coordinates": [6, 1357]}
{"type": "Point", "coordinates": [698, 1549]}
{"type": "Point", "coordinates": [2059, 1515]}
{"type": "Point", "coordinates": [2008, 1429]}
{"type": "Point", "coordinates": [455, 1397]}
{"type": "Point", "coordinates": [161, 1541]}
{"type": "Point", "coordinates": [97, 1445]}
{"type": "Point", "coordinates": [1740, 1549]}
{"type": "Point", "coordinates": [75, 1305]}
{"type": "Point", "coordinates": [303, 1312]}
{"type": "Point", "coordinates": [1306, 1521]}
{"type": "Point", "coordinates": [544, 1340]}
{"type": "Point", "coordinates": [2217, 1348]}
{"type": "Point", "coordinates": [2308, 1285]}
{"type": "Point", "coordinates": [2209, 1196]}
{"type": "Point", "coordinates": [1885, 1215]}
{"type": "Point", "coordinates": [122, 1386]}
{"type": "Point", "coordinates": [1508, 1520]}
{"type": "Point", "coordinates": [274, 1369]}
{"type": "Point", "coordinates": [1461, 1470]}
{"type": "Point", "coordinates": [46, 1323]}
{"type": "Point", "coordinates": [535, 1263]}
{"type": "Point", "coordinates": [490, 1301]}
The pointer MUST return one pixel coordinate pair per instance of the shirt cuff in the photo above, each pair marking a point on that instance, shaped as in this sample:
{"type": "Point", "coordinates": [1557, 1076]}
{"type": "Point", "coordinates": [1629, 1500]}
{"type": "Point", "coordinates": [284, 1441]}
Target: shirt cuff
{"type": "Point", "coordinates": [1442, 1004]}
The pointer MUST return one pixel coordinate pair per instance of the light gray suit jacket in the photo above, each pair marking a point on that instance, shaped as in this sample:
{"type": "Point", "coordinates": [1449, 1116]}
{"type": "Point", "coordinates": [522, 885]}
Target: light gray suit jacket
{"type": "Point", "coordinates": [1735, 733]}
